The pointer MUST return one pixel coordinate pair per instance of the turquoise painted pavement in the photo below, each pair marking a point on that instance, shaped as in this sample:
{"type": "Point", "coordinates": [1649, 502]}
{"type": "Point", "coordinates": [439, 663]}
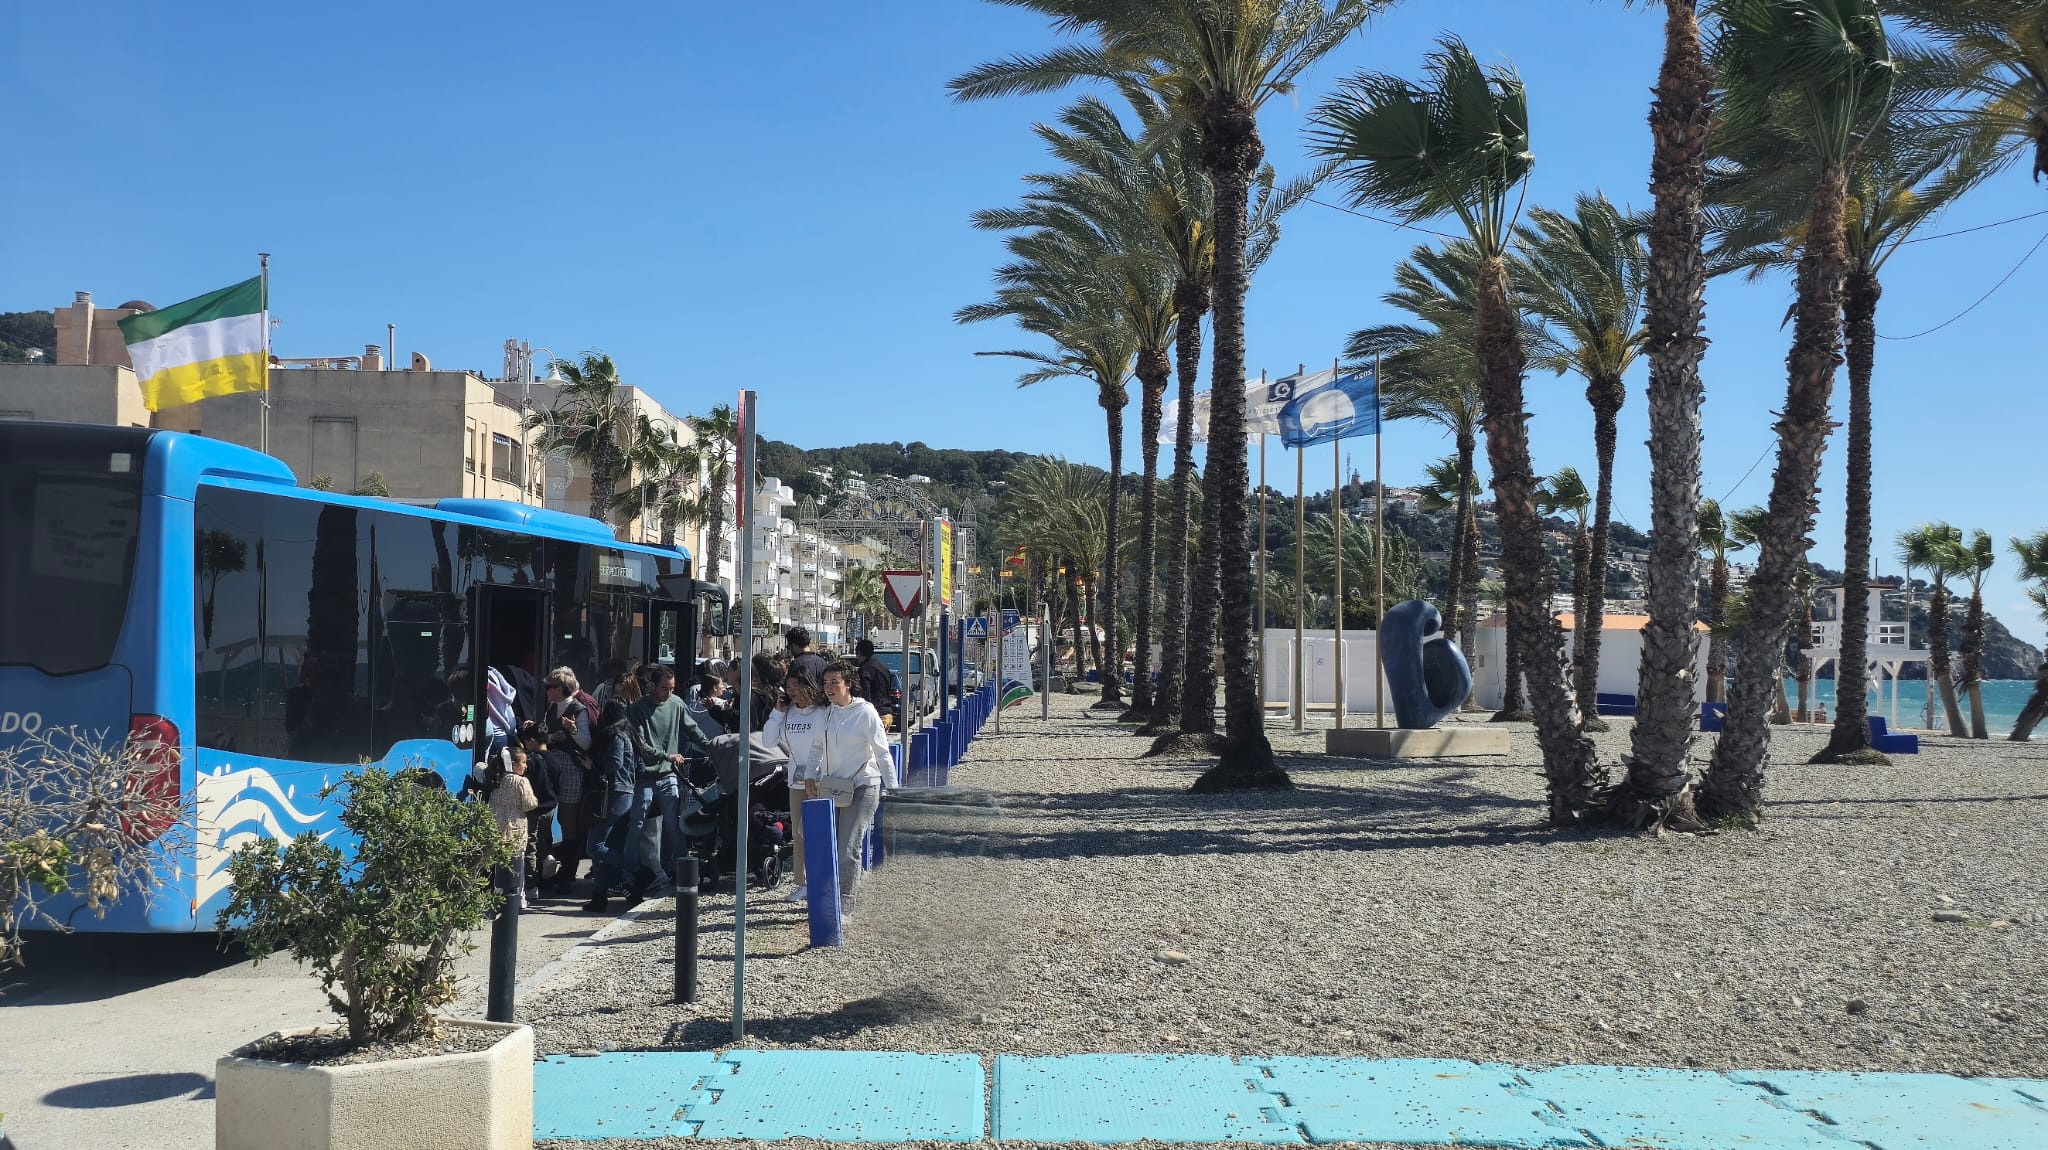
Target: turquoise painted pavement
{"type": "Point", "coordinates": [862, 1096]}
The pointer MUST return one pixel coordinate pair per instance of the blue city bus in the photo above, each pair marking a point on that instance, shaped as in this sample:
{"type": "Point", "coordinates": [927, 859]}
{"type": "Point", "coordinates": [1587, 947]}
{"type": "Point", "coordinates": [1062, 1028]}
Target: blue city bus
{"type": "Point", "coordinates": [258, 639]}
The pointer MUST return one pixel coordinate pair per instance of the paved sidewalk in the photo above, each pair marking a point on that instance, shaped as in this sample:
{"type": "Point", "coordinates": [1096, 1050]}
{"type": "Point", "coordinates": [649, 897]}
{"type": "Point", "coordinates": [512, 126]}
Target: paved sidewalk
{"type": "Point", "coordinates": [857, 1096]}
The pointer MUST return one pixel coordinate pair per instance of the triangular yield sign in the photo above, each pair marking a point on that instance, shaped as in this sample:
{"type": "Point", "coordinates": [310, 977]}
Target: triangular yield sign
{"type": "Point", "coordinates": [904, 591]}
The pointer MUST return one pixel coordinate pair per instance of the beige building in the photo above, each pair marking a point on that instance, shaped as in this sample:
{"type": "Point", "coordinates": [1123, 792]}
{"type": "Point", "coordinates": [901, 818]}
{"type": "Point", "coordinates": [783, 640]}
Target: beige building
{"type": "Point", "coordinates": [428, 434]}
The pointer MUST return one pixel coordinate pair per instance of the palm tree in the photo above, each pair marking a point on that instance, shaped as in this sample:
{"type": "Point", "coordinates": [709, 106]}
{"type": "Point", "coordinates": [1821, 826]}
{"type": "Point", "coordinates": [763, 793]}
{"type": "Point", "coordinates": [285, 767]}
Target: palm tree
{"type": "Point", "coordinates": [1100, 203]}
{"type": "Point", "coordinates": [1403, 568]}
{"type": "Point", "coordinates": [1460, 146]}
{"type": "Point", "coordinates": [1064, 284]}
{"type": "Point", "coordinates": [669, 469]}
{"type": "Point", "coordinates": [1446, 488]}
{"type": "Point", "coordinates": [1937, 549]}
{"type": "Point", "coordinates": [1658, 788]}
{"type": "Point", "coordinates": [1975, 561]}
{"type": "Point", "coordinates": [1717, 539]}
{"type": "Point", "coordinates": [1214, 64]}
{"type": "Point", "coordinates": [718, 440]}
{"type": "Point", "coordinates": [860, 588]}
{"type": "Point", "coordinates": [1903, 175]}
{"type": "Point", "coordinates": [2032, 552]}
{"type": "Point", "coordinates": [1745, 528]}
{"type": "Point", "coordinates": [1565, 493]}
{"type": "Point", "coordinates": [1825, 66]}
{"type": "Point", "coordinates": [1429, 372]}
{"type": "Point", "coordinates": [1058, 512]}
{"type": "Point", "coordinates": [1584, 274]}
{"type": "Point", "coordinates": [591, 415]}
{"type": "Point", "coordinates": [1993, 55]}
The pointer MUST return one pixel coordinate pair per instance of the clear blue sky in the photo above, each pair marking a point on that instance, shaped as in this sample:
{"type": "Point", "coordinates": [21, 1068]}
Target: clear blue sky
{"type": "Point", "coordinates": [776, 196]}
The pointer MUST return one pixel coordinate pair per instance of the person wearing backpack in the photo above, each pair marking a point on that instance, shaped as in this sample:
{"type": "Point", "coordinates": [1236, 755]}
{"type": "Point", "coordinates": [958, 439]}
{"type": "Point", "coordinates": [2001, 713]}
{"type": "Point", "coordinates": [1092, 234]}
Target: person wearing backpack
{"type": "Point", "coordinates": [611, 793]}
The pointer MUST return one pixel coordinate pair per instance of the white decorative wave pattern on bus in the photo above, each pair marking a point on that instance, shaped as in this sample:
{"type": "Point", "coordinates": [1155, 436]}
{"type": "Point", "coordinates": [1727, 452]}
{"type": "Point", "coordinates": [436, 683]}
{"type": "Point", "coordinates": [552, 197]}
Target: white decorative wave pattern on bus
{"type": "Point", "coordinates": [238, 805]}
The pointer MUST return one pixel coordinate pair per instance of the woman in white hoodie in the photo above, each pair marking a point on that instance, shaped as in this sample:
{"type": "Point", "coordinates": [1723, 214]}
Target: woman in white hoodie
{"type": "Point", "coordinates": [797, 726]}
{"type": "Point", "coordinates": [856, 766]}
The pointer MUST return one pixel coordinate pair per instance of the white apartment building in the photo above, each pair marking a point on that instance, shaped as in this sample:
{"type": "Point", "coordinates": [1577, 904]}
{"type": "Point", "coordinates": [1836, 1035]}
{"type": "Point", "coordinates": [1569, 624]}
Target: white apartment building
{"type": "Point", "coordinates": [796, 571]}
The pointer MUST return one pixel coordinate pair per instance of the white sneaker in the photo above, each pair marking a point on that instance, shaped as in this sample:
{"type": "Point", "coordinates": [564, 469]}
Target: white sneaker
{"type": "Point", "coordinates": [797, 894]}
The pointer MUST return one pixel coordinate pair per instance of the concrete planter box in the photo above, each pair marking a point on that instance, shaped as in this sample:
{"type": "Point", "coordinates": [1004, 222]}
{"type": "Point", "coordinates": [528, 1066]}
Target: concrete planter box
{"type": "Point", "coordinates": [476, 1101]}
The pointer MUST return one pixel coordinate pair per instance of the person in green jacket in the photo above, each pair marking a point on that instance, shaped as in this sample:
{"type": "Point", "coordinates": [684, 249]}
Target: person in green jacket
{"type": "Point", "coordinates": [661, 729]}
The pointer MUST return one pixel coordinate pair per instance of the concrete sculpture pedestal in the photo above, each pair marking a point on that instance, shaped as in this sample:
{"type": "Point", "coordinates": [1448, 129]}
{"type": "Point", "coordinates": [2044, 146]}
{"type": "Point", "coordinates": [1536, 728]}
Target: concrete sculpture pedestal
{"type": "Point", "coordinates": [1396, 743]}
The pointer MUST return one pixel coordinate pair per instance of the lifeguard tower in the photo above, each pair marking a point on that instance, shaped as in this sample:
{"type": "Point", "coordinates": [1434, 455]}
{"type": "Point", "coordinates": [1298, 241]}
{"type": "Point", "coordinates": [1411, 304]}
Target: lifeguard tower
{"type": "Point", "coordinates": [1888, 648]}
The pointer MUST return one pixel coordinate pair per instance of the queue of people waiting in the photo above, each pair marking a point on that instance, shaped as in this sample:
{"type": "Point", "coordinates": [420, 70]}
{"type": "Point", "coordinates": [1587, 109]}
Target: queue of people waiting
{"type": "Point", "coordinates": [607, 768]}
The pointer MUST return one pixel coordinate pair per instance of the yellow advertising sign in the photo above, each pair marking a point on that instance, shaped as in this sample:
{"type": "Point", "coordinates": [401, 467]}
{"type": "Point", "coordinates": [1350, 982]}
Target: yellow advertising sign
{"type": "Point", "coordinates": [945, 566]}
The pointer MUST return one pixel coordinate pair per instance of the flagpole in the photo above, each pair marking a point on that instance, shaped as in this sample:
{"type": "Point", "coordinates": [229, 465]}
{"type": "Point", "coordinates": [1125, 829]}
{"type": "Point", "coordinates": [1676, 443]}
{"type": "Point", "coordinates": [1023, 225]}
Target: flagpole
{"type": "Point", "coordinates": [1337, 545]}
{"type": "Point", "coordinates": [263, 412]}
{"type": "Point", "coordinates": [1296, 696]}
{"type": "Point", "coordinates": [1262, 561]}
{"type": "Point", "coordinates": [1379, 554]}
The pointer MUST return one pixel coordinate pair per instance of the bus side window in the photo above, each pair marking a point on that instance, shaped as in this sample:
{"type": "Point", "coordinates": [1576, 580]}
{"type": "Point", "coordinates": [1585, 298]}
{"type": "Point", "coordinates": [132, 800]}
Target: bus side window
{"type": "Point", "coordinates": [422, 604]}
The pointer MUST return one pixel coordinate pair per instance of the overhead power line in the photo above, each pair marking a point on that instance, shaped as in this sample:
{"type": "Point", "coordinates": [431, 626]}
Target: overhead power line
{"type": "Point", "coordinates": [1379, 220]}
{"type": "Point", "coordinates": [1980, 299]}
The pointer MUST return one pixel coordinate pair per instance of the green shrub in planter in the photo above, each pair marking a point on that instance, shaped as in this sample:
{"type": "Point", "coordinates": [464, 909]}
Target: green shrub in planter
{"type": "Point", "coordinates": [381, 929]}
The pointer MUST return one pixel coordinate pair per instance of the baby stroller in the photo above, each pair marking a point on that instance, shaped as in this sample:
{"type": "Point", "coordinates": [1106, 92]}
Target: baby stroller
{"type": "Point", "coordinates": [708, 815]}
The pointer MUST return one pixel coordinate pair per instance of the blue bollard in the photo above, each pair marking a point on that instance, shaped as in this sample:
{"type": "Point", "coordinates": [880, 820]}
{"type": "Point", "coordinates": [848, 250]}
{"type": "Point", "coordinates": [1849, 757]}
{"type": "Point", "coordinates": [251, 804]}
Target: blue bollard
{"type": "Point", "coordinates": [875, 850]}
{"type": "Point", "coordinates": [920, 757]}
{"type": "Point", "coordinates": [821, 870]}
{"type": "Point", "coordinates": [896, 760]}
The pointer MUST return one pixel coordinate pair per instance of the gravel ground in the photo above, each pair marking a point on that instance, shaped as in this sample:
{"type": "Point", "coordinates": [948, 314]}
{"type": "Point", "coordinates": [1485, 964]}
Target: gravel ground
{"type": "Point", "coordinates": [1414, 910]}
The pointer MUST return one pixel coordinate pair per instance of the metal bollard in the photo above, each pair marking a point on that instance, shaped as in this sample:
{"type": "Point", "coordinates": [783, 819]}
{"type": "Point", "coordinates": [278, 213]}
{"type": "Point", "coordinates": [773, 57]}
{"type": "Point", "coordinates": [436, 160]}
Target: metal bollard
{"type": "Point", "coordinates": [686, 929]}
{"type": "Point", "coordinates": [504, 947]}
{"type": "Point", "coordinates": [821, 869]}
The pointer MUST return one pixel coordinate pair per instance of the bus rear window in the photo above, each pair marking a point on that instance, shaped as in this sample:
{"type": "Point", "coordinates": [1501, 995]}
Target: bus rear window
{"type": "Point", "coordinates": [70, 512]}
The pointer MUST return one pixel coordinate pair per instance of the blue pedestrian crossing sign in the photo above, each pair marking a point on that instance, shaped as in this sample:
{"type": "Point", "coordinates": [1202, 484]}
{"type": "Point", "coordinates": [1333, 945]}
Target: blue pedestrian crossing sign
{"type": "Point", "coordinates": [977, 628]}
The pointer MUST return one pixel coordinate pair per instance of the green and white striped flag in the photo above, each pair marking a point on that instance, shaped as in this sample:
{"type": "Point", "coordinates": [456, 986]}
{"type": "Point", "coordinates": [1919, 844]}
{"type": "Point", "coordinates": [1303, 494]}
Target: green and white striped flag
{"type": "Point", "coordinates": [215, 344]}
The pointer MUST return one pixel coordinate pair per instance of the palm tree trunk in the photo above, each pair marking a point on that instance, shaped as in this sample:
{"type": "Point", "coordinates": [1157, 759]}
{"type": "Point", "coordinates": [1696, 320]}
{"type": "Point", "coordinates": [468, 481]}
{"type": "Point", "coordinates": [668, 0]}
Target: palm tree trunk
{"type": "Point", "coordinates": [1191, 300]}
{"type": "Point", "coordinates": [603, 475]}
{"type": "Point", "coordinates": [1849, 742]}
{"type": "Point", "coordinates": [1938, 661]}
{"type": "Point", "coordinates": [1112, 674]}
{"type": "Point", "coordinates": [1080, 647]}
{"type": "Point", "coordinates": [1734, 782]}
{"type": "Point", "coordinates": [1606, 396]}
{"type": "Point", "coordinates": [1717, 618]}
{"type": "Point", "coordinates": [1512, 706]}
{"type": "Point", "coordinates": [1198, 692]}
{"type": "Point", "coordinates": [1454, 591]}
{"type": "Point", "coordinates": [1674, 312]}
{"type": "Point", "coordinates": [1973, 663]}
{"type": "Point", "coordinates": [1574, 776]}
{"type": "Point", "coordinates": [1470, 611]}
{"type": "Point", "coordinates": [1231, 151]}
{"type": "Point", "coordinates": [1091, 595]}
{"type": "Point", "coordinates": [1153, 371]}
{"type": "Point", "coordinates": [2036, 708]}
{"type": "Point", "coordinates": [714, 538]}
{"type": "Point", "coordinates": [1583, 683]}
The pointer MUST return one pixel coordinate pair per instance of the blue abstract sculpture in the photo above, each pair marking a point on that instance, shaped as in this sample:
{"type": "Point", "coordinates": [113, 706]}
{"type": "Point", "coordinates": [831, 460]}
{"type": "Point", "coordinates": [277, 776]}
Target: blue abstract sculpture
{"type": "Point", "coordinates": [1427, 677]}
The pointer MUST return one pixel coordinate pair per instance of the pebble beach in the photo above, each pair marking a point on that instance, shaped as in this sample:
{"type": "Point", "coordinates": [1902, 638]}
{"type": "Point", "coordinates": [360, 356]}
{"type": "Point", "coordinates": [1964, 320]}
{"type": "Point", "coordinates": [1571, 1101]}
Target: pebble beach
{"type": "Point", "coordinates": [1884, 918]}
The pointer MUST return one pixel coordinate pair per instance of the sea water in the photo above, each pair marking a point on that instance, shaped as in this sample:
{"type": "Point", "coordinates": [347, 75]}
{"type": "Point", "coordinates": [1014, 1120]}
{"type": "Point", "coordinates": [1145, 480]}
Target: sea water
{"type": "Point", "coordinates": [2003, 700]}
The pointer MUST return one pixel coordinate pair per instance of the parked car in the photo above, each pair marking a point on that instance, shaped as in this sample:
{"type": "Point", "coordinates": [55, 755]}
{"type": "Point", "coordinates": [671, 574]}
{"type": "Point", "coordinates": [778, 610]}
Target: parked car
{"type": "Point", "coordinates": [923, 679]}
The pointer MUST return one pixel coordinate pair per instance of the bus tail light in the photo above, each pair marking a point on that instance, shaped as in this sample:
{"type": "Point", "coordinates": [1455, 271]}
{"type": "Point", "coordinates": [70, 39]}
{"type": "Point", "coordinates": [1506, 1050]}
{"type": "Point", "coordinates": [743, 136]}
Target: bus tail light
{"type": "Point", "coordinates": [154, 742]}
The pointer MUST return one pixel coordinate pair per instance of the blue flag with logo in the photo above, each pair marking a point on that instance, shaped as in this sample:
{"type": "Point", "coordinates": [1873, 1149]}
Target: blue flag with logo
{"type": "Point", "coordinates": [1335, 406]}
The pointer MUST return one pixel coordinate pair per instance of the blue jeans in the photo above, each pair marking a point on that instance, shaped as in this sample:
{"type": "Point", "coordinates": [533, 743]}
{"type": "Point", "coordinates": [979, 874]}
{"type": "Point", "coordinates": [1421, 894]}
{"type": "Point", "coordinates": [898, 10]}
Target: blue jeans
{"type": "Point", "coordinates": [653, 825]}
{"type": "Point", "coordinates": [609, 841]}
